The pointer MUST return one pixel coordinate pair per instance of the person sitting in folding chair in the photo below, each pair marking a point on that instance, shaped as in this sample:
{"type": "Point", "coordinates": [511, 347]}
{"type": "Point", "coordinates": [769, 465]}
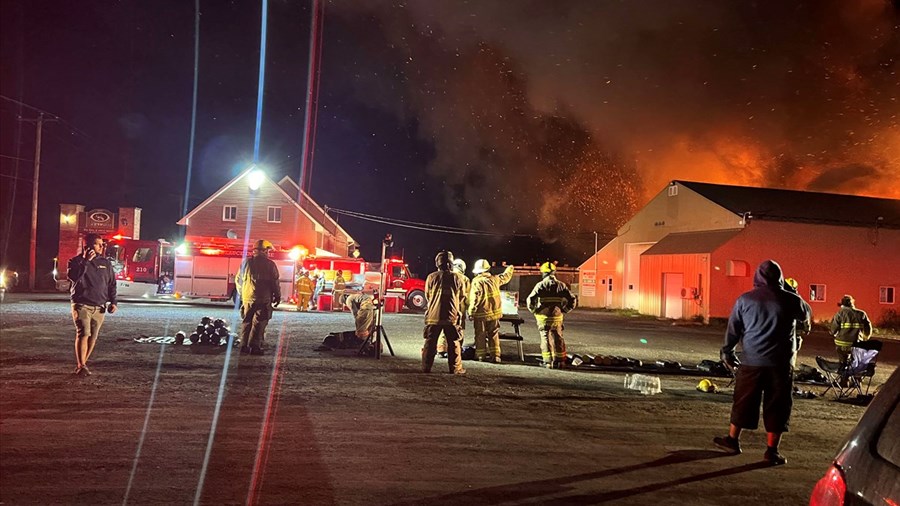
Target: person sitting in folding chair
{"type": "Point", "coordinates": [848, 326]}
{"type": "Point", "coordinates": [846, 378]}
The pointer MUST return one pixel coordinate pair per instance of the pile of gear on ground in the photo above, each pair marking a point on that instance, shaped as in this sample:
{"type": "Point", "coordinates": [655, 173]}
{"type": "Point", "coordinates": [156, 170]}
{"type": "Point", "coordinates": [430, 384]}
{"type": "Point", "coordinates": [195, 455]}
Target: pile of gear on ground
{"type": "Point", "coordinates": [209, 332]}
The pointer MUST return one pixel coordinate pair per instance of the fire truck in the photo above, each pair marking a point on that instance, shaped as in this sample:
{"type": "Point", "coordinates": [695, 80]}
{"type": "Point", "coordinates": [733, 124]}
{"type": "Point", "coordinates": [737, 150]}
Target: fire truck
{"type": "Point", "coordinates": [198, 269]}
{"type": "Point", "coordinates": [362, 275]}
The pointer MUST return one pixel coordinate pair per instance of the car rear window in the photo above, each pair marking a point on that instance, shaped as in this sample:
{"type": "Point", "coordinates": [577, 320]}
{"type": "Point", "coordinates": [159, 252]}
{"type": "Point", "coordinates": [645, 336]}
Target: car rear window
{"type": "Point", "coordinates": [889, 440]}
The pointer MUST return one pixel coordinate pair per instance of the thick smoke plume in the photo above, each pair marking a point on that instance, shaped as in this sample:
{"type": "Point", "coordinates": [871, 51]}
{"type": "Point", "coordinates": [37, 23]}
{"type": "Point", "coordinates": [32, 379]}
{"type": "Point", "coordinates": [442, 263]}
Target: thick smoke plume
{"type": "Point", "coordinates": [565, 116]}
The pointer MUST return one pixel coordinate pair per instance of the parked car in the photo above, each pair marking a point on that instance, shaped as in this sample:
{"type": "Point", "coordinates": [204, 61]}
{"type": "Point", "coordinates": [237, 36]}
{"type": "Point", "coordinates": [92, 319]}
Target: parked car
{"type": "Point", "coordinates": [866, 470]}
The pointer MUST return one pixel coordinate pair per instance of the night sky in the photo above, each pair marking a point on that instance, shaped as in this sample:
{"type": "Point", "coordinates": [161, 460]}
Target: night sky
{"type": "Point", "coordinates": [551, 120]}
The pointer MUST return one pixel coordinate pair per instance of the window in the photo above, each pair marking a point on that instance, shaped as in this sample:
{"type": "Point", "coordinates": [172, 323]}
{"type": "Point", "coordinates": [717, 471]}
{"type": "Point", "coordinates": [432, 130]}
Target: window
{"type": "Point", "coordinates": [142, 255]}
{"type": "Point", "coordinates": [673, 190]}
{"type": "Point", "coordinates": [886, 294]}
{"type": "Point", "coordinates": [229, 213]}
{"type": "Point", "coordinates": [817, 293]}
{"type": "Point", "coordinates": [274, 215]}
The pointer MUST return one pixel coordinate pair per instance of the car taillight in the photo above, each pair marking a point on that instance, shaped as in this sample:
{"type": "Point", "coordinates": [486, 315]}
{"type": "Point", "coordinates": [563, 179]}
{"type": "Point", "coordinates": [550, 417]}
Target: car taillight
{"type": "Point", "coordinates": [830, 490]}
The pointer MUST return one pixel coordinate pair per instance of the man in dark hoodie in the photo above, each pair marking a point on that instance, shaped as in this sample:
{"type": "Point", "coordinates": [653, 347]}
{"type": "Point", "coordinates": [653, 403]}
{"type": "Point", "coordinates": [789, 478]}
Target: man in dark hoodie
{"type": "Point", "coordinates": [763, 320]}
{"type": "Point", "coordinates": [93, 287]}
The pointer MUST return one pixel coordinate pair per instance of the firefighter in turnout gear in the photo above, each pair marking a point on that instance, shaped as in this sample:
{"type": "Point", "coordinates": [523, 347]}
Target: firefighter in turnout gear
{"type": "Point", "coordinates": [848, 326]}
{"type": "Point", "coordinates": [446, 294]}
{"type": "Point", "coordinates": [257, 282]}
{"type": "Point", "coordinates": [337, 291]}
{"type": "Point", "coordinates": [801, 328]}
{"type": "Point", "coordinates": [459, 265]}
{"type": "Point", "coordinates": [304, 291]}
{"type": "Point", "coordinates": [549, 301]}
{"type": "Point", "coordinates": [485, 309]}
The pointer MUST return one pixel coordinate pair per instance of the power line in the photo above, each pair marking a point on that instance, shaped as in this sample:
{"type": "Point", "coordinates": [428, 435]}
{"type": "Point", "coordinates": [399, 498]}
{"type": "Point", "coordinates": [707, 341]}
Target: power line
{"type": "Point", "coordinates": [16, 158]}
{"type": "Point", "coordinates": [53, 116]}
{"type": "Point", "coordinates": [428, 227]}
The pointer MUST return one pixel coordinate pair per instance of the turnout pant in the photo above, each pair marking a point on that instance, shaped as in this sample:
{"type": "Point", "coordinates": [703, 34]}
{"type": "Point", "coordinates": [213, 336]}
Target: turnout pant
{"type": "Point", "coordinates": [303, 301]}
{"type": "Point", "coordinates": [553, 346]}
{"type": "Point", "coordinates": [442, 341]}
{"type": "Point", "coordinates": [254, 318]}
{"type": "Point", "coordinates": [429, 350]}
{"type": "Point", "coordinates": [487, 338]}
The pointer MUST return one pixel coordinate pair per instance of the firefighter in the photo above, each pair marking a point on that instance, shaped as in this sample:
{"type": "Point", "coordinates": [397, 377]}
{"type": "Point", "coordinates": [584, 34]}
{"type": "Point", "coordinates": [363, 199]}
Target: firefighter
{"type": "Point", "coordinates": [257, 282]}
{"type": "Point", "coordinates": [459, 265]}
{"type": "Point", "coordinates": [848, 326]}
{"type": "Point", "coordinates": [801, 328]}
{"type": "Point", "coordinates": [337, 290]}
{"type": "Point", "coordinates": [362, 306]}
{"type": "Point", "coordinates": [485, 309]}
{"type": "Point", "coordinates": [549, 301]}
{"type": "Point", "coordinates": [304, 291]}
{"type": "Point", "coordinates": [446, 294]}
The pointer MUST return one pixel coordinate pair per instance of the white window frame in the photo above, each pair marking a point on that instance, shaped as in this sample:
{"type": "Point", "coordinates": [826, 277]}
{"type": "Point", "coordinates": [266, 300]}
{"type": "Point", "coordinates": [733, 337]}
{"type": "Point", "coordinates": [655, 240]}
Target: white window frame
{"type": "Point", "coordinates": [673, 190]}
{"type": "Point", "coordinates": [225, 213]}
{"type": "Point", "coordinates": [270, 218]}
{"type": "Point", "coordinates": [886, 290]}
{"type": "Point", "coordinates": [824, 292]}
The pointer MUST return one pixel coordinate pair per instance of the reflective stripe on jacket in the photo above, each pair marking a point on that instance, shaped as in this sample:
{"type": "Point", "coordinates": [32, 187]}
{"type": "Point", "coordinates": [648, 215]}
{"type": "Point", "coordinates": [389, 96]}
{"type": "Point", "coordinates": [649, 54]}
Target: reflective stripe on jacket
{"type": "Point", "coordinates": [446, 295]}
{"type": "Point", "coordinates": [549, 301]}
{"type": "Point", "coordinates": [304, 286]}
{"type": "Point", "coordinates": [850, 325]}
{"type": "Point", "coordinates": [484, 295]}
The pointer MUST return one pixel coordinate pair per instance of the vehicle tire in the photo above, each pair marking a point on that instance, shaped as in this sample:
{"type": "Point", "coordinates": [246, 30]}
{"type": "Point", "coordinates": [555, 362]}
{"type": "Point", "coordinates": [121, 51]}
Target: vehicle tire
{"type": "Point", "coordinates": [416, 300]}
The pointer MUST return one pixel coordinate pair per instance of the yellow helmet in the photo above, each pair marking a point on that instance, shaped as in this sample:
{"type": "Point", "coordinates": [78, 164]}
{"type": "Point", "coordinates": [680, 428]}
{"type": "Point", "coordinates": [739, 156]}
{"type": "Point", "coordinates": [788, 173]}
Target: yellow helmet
{"type": "Point", "coordinates": [548, 268]}
{"type": "Point", "coordinates": [263, 245]}
{"type": "Point", "coordinates": [707, 386]}
{"type": "Point", "coordinates": [792, 283]}
{"type": "Point", "coordinates": [481, 265]}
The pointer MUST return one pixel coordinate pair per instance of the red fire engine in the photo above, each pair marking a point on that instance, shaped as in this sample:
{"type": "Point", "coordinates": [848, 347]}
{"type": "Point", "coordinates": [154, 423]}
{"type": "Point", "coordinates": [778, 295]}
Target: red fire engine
{"type": "Point", "coordinates": [206, 270]}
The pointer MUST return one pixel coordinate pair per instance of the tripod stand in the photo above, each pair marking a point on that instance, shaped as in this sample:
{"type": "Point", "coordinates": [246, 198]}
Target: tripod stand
{"type": "Point", "coordinates": [378, 333]}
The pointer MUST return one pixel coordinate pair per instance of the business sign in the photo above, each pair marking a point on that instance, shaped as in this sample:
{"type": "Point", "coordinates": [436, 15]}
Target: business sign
{"type": "Point", "coordinates": [588, 283]}
{"type": "Point", "coordinates": [99, 221]}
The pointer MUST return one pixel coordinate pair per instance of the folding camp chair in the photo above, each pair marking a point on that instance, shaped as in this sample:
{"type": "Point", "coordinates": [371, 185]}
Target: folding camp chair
{"type": "Point", "coordinates": [845, 379]}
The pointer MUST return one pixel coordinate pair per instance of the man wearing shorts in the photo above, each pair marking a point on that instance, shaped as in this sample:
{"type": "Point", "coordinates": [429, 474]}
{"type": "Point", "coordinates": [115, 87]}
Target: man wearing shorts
{"type": "Point", "coordinates": [93, 287]}
{"type": "Point", "coordinates": [763, 321]}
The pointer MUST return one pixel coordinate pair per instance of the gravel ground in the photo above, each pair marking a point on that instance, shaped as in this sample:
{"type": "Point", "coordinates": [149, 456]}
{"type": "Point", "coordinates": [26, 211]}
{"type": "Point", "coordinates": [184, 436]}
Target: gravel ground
{"type": "Point", "coordinates": [161, 424]}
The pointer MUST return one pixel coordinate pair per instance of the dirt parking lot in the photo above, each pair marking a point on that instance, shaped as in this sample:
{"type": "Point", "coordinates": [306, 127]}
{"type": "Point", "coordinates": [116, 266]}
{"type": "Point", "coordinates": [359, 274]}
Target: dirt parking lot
{"type": "Point", "coordinates": [161, 424]}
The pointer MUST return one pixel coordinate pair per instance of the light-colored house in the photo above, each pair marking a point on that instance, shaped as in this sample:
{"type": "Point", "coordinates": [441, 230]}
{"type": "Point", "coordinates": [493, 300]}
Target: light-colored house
{"type": "Point", "coordinates": [253, 206]}
{"type": "Point", "coordinates": [693, 249]}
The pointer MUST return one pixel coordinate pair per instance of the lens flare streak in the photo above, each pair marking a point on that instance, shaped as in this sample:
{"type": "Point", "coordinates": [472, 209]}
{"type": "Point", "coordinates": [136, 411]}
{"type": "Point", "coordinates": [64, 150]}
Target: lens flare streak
{"type": "Point", "coordinates": [268, 427]}
{"type": "Point", "coordinates": [140, 446]}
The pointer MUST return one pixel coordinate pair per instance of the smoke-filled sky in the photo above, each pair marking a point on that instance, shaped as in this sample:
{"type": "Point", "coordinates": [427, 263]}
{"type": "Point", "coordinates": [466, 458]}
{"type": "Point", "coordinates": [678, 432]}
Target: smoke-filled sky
{"type": "Point", "coordinates": [549, 119]}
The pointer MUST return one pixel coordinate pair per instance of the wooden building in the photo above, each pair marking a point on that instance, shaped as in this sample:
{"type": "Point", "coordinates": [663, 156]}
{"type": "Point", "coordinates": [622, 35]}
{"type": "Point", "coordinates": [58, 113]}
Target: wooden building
{"type": "Point", "coordinates": [693, 249]}
{"type": "Point", "coordinates": [251, 206]}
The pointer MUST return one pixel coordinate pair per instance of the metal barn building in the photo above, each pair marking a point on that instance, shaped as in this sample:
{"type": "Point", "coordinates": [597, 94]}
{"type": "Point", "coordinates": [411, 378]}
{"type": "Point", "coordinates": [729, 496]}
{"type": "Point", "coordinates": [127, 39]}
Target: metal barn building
{"type": "Point", "coordinates": [693, 249]}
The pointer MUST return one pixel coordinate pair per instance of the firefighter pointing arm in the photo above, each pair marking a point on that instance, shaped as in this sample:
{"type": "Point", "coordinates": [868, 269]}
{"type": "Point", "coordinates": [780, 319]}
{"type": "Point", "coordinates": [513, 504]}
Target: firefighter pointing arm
{"type": "Point", "coordinates": [486, 309]}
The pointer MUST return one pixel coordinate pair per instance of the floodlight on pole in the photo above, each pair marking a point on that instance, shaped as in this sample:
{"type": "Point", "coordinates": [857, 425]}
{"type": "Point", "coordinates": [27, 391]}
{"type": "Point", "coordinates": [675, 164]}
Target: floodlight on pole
{"type": "Point", "coordinates": [255, 179]}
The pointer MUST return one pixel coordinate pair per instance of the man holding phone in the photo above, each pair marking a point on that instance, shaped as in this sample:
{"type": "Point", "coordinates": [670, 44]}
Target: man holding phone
{"type": "Point", "coordinates": [93, 287]}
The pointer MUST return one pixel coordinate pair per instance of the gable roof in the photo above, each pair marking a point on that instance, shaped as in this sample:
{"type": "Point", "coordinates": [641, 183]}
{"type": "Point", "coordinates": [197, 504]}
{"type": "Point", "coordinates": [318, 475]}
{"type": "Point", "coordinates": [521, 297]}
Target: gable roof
{"type": "Point", "coordinates": [242, 175]}
{"type": "Point", "coordinates": [801, 206]}
{"type": "Point", "coordinates": [692, 242]}
{"type": "Point", "coordinates": [311, 207]}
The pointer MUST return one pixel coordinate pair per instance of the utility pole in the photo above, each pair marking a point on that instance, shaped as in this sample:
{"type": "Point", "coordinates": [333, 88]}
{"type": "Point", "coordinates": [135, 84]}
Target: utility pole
{"type": "Point", "coordinates": [32, 250]}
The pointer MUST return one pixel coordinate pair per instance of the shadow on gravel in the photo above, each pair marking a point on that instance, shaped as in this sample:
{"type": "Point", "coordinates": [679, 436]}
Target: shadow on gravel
{"type": "Point", "coordinates": [536, 489]}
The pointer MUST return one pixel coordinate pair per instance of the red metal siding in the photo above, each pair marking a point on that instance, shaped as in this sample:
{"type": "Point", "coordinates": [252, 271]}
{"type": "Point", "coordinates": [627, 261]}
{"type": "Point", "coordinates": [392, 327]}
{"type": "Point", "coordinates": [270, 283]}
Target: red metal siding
{"type": "Point", "coordinates": [694, 267]}
{"type": "Point", "coordinates": [846, 259]}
